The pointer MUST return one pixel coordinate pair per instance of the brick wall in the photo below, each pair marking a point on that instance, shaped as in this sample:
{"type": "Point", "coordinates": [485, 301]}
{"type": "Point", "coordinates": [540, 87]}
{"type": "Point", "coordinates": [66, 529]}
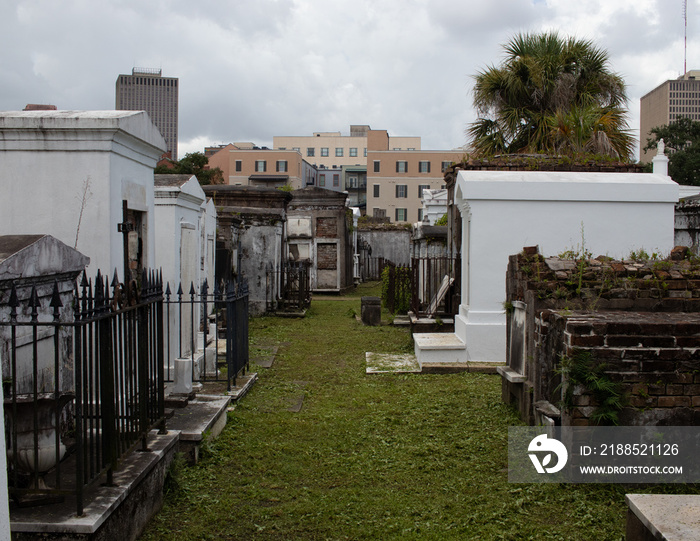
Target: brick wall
{"type": "Point", "coordinates": [327, 256]}
{"type": "Point", "coordinates": [641, 318]}
{"type": "Point", "coordinates": [654, 357]}
{"type": "Point", "coordinates": [327, 227]}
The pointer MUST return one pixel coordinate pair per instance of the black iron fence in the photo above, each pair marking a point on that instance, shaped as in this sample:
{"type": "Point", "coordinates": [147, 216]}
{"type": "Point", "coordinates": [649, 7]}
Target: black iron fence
{"type": "Point", "coordinates": [81, 394]}
{"type": "Point", "coordinates": [210, 329]}
{"type": "Point", "coordinates": [288, 286]}
{"type": "Point", "coordinates": [429, 287]}
{"type": "Point", "coordinates": [84, 374]}
{"type": "Point", "coordinates": [371, 268]}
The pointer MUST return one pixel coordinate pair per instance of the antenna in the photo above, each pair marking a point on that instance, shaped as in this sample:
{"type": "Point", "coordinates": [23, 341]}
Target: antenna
{"type": "Point", "coordinates": [685, 37]}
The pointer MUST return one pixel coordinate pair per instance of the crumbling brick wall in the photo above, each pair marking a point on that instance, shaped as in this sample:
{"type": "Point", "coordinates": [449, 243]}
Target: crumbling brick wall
{"type": "Point", "coordinates": [641, 318]}
{"type": "Point", "coordinates": [654, 359]}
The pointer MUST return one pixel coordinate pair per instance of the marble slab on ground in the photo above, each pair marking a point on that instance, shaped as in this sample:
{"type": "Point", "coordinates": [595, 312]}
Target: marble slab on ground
{"type": "Point", "coordinates": [388, 363]}
{"type": "Point", "coordinates": [674, 517]}
{"type": "Point", "coordinates": [266, 358]}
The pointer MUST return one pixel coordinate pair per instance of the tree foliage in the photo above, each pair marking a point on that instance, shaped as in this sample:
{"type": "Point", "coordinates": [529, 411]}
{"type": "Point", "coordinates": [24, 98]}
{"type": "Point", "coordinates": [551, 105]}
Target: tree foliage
{"type": "Point", "coordinates": [552, 95]}
{"type": "Point", "coordinates": [194, 163]}
{"type": "Point", "coordinates": [682, 138]}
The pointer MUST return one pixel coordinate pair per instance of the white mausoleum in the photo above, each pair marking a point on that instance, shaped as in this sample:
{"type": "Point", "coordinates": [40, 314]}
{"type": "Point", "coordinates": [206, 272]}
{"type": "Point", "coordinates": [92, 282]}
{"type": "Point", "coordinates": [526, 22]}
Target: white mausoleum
{"type": "Point", "coordinates": [504, 211]}
{"type": "Point", "coordinates": [75, 174]}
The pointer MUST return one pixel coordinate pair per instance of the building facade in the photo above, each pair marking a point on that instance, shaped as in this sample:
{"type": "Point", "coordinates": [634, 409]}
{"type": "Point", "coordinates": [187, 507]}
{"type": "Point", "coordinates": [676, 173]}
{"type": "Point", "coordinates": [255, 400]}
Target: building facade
{"type": "Point", "coordinates": [263, 167]}
{"type": "Point", "coordinates": [396, 180]}
{"type": "Point", "coordinates": [147, 90]}
{"type": "Point", "coordinates": [334, 150]}
{"type": "Point", "coordinates": [671, 100]}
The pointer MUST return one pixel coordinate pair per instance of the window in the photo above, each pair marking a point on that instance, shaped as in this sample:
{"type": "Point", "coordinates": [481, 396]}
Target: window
{"type": "Point", "coordinates": [324, 151]}
{"type": "Point", "coordinates": [322, 179]}
{"type": "Point", "coordinates": [379, 213]}
{"type": "Point", "coordinates": [260, 166]}
{"type": "Point", "coordinates": [338, 152]}
{"type": "Point", "coordinates": [376, 190]}
{"type": "Point", "coordinates": [376, 166]}
{"type": "Point", "coordinates": [400, 215]}
{"type": "Point", "coordinates": [401, 190]}
{"type": "Point", "coordinates": [281, 166]}
{"type": "Point", "coordinates": [423, 167]}
{"type": "Point", "coordinates": [336, 180]}
{"type": "Point", "coordinates": [421, 188]}
{"type": "Point", "coordinates": [420, 215]}
{"type": "Point", "coordinates": [401, 166]}
{"type": "Point", "coordinates": [311, 151]}
{"type": "Point", "coordinates": [353, 153]}
{"type": "Point", "coordinates": [352, 182]}
{"type": "Point", "coordinates": [446, 166]}
{"type": "Point", "coordinates": [239, 165]}
{"type": "Point", "coordinates": [365, 152]}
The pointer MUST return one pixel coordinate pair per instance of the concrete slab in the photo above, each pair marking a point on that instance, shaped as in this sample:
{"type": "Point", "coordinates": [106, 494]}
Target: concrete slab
{"type": "Point", "coordinates": [266, 358]}
{"type": "Point", "coordinates": [401, 321]}
{"type": "Point", "coordinates": [111, 512]}
{"type": "Point", "coordinates": [671, 517]}
{"type": "Point", "coordinates": [243, 385]}
{"type": "Point", "coordinates": [200, 415]}
{"type": "Point", "coordinates": [204, 416]}
{"type": "Point", "coordinates": [296, 404]}
{"type": "Point", "coordinates": [386, 363]}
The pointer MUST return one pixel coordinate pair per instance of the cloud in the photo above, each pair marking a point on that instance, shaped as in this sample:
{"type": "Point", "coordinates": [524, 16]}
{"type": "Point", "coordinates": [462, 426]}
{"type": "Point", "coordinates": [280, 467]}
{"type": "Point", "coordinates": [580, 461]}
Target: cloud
{"type": "Point", "coordinates": [251, 70]}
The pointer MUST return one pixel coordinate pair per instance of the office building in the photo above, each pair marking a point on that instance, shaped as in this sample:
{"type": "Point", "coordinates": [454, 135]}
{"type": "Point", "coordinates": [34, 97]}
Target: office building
{"type": "Point", "coordinates": [244, 164]}
{"type": "Point", "coordinates": [147, 90]}
{"type": "Point", "coordinates": [332, 150]}
{"type": "Point", "coordinates": [669, 101]}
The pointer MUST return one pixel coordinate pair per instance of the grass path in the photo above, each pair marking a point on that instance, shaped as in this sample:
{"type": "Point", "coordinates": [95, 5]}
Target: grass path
{"type": "Point", "coordinates": [368, 456]}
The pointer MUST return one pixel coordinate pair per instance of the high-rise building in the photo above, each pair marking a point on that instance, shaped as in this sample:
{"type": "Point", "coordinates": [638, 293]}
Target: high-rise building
{"type": "Point", "coordinates": [147, 90]}
{"type": "Point", "coordinates": [669, 101]}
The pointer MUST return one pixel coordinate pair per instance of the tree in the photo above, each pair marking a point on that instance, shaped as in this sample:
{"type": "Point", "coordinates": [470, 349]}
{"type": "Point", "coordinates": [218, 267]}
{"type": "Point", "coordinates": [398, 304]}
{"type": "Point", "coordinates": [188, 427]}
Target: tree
{"type": "Point", "coordinates": [682, 138]}
{"type": "Point", "coordinates": [194, 163]}
{"type": "Point", "coordinates": [551, 95]}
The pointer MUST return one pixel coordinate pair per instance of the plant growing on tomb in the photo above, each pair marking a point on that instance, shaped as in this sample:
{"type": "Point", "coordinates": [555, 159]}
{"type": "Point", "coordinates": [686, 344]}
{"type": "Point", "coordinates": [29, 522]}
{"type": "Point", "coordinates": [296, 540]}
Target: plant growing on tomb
{"type": "Point", "coordinates": [84, 198]}
{"type": "Point", "coordinates": [442, 220]}
{"type": "Point", "coordinates": [581, 369]}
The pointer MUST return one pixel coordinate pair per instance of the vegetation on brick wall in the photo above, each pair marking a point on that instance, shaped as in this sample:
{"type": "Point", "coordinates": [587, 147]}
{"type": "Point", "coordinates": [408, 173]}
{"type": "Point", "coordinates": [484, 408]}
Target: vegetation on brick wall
{"type": "Point", "coordinates": [582, 369]}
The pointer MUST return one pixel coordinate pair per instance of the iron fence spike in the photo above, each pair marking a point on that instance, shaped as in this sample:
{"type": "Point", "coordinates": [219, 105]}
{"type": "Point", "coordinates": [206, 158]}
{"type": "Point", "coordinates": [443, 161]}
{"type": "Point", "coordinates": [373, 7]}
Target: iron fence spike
{"type": "Point", "coordinates": [115, 279]}
{"type": "Point", "coordinates": [14, 301]}
{"type": "Point", "coordinates": [55, 297]}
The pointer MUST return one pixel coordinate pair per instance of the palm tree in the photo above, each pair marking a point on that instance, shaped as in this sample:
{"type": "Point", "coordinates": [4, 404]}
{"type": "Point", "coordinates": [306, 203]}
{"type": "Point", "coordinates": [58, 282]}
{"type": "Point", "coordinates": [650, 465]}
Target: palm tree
{"type": "Point", "coordinates": [551, 94]}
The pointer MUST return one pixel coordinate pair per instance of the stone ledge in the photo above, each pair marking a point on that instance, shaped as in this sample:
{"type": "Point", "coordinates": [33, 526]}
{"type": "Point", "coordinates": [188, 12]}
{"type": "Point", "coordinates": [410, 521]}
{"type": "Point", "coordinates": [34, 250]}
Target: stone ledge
{"type": "Point", "coordinates": [511, 375]}
{"type": "Point", "coordinates": [663, 516]}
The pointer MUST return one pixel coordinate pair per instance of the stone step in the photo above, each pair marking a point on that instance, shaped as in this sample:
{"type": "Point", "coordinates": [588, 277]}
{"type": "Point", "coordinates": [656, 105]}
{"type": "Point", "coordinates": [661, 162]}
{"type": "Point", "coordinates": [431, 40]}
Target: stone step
{"type": "Point", "coordinates": [439, 348]}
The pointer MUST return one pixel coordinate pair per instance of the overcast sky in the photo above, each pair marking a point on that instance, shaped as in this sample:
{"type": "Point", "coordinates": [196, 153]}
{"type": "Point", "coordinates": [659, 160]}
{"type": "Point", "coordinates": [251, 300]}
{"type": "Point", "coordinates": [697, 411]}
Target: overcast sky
{"type": "Point", "coordinates": [252, 69]}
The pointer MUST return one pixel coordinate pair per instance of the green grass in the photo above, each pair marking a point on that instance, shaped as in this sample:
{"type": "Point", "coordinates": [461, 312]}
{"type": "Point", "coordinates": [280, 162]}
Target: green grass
{"type": "Point", "coordinates": [369, 456]}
